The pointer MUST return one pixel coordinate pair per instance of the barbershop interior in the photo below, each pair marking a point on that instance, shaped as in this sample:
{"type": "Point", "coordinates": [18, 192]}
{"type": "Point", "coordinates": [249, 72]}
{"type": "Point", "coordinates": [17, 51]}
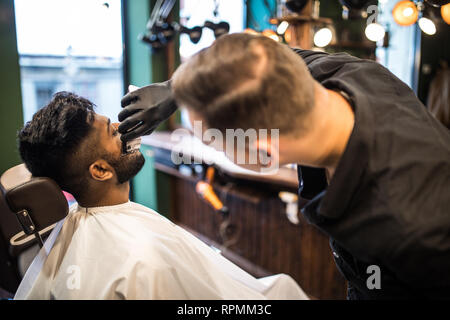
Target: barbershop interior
{"type": "Point", "coordinates": [200, 226]}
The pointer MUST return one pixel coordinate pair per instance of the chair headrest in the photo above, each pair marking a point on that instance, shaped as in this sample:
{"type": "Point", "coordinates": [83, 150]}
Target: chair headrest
{"type": "Point", "coordinates": [39, 197]}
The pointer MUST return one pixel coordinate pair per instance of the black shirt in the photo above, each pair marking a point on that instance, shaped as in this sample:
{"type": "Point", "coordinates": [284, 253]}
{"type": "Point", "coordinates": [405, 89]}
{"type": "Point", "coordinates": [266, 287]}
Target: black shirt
{"type": "Point", "coordinates": [388, 203]}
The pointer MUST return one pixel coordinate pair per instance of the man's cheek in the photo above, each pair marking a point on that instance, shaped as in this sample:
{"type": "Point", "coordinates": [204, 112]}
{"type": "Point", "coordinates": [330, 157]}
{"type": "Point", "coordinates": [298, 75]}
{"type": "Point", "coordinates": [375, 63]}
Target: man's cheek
{"type": "Point", "coordinates": [122, 146]}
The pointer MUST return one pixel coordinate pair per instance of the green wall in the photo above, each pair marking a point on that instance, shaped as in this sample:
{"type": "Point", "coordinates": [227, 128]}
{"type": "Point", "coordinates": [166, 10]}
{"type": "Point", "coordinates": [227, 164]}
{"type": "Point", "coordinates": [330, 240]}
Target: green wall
{"type": "Point", "coordinates": [142, 67]}
{"type": "Point", "coordinates": [258, 14]}
{"type": "Point", "coordinates": [137, 56]}
{"type": "Point", "coordinates": [138, 71]}
{"type": "Point", "coordinates": [161, 73]}
{"type": "Point", "coordinates": [11, 117]}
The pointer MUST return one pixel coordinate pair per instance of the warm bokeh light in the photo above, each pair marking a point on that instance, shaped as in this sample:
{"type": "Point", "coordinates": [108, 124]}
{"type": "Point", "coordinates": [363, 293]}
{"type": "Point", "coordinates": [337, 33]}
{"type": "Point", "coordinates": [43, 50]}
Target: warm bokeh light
{"type": "Point", "coordinates": [375, 32]}
{"type": "Point", "coordinates": [405, 13]}
{"type": "Point", "coordinates": [271, 34]}
{"type": "Point", "coordinates": [427, 26]}
{"type": "Point", "coordinates": [445, 13]}
{"type": "Point", "coordinates": [323, 37]}
{"type": "Point", "coordinates": [282, 27]}
{"type": "Point", "coordinates": [288, 35]}
{"type": "Point", "coordinates": [250, 31]}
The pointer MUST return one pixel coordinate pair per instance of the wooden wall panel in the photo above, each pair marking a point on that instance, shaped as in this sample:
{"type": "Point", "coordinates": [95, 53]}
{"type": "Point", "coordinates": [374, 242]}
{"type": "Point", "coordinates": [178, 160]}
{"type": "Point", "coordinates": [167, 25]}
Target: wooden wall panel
{"type": "Point", "coordinates": [268, 243]}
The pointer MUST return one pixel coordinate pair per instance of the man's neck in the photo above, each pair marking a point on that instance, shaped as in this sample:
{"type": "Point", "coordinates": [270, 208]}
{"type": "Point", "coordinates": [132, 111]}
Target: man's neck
{"type": "Point", "coordinates": [109, 195]}
{"type": "Point", "coordinates": [332, 121]}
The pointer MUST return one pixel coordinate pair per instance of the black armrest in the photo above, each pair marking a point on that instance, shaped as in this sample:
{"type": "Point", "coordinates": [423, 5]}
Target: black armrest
{"type": "Point", "coordinates": [37, 202]}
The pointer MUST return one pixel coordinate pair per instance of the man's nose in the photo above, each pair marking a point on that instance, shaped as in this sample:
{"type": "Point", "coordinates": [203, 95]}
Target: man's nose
{"type": "Point", "coordinates": [116, 127]}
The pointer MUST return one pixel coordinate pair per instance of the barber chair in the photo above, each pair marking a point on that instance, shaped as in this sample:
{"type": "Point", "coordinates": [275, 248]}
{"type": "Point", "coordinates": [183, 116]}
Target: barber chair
{"type": "Point", "coordinates": [30, 207]}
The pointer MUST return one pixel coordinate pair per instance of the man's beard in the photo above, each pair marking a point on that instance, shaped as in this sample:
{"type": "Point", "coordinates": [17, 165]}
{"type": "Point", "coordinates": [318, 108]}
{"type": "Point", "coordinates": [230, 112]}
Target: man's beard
{"type": "Point", "coordinates": [127, 165]}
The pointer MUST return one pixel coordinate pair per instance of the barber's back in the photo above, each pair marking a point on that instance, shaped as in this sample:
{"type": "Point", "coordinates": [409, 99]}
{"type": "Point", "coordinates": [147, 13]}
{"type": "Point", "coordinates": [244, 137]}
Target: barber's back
{"type": "Point", "coordinates": [388, 203]}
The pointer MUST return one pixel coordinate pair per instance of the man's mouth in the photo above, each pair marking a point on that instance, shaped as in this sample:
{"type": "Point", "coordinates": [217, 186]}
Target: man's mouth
{"type": "Point", "coordinates": [131, 146]}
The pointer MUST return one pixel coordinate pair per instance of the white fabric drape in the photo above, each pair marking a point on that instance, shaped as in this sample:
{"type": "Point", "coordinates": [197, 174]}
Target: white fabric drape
{"type": "Point", "coordinates": [128, 251]}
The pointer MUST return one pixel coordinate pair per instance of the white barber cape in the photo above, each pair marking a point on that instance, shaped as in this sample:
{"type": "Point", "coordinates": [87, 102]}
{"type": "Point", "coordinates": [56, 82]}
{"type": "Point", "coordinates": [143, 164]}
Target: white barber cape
{"type": "Point", "coordinates": [129, 251]}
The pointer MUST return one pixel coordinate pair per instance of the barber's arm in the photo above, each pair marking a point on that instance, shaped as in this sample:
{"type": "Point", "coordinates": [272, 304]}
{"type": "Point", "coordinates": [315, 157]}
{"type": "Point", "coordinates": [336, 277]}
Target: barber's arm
{"type": "Point", "coordinates": [144, 109]}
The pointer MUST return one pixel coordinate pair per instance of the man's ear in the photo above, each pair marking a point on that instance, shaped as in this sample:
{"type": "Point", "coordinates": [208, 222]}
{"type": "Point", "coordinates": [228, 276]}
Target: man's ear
{"type": "Point", "coordinates": [101, 170]}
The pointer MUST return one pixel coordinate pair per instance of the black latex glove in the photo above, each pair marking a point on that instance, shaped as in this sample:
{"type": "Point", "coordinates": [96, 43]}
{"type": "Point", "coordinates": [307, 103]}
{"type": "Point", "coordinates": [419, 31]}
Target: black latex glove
{"type": "Point", "coordinates": [144, 109]}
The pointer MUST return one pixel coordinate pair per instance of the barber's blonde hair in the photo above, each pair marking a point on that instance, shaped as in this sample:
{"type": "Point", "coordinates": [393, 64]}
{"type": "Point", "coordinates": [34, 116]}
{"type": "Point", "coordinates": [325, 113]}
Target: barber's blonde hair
{"type": "Point", "coordinates": [246, 81]}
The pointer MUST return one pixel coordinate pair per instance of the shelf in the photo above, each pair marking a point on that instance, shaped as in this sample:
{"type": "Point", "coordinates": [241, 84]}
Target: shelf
{"type": "Point", "coordinates": [296, 18]}
{"type": "Point", "coordinates": [285, 177]}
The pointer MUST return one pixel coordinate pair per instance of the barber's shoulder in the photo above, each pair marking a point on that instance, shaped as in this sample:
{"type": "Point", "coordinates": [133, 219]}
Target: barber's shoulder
{"type": "Point", "coordinates": [308, 55]}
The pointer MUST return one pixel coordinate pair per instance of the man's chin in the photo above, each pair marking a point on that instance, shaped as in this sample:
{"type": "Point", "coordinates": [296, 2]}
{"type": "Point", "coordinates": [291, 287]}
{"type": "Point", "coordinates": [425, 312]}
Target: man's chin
{"type": "Point", "coordinates": [129, 166]}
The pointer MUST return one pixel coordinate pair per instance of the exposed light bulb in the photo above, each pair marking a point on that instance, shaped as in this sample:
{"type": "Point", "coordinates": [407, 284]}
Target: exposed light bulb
{"type": "Point", "coordinates": [323, 37]}
{"type": "Point", "coordinates": [405, 12]}
{"type": "Point", "coordinates": [427, 26]}
{"type": "Point", "coordinates": [445, 13]}
{"type": "Point", "coordinates": [375, 32]}
{"type": "Point", "coordinates": [282, 27]}
{"type": "Point", "coordinates": [408, 12]}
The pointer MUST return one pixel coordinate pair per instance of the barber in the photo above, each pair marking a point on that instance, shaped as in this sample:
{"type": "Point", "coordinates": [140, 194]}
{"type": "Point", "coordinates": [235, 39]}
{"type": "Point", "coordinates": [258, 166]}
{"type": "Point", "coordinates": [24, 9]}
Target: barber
{"type": "Point", "coordinates": [386, 208]}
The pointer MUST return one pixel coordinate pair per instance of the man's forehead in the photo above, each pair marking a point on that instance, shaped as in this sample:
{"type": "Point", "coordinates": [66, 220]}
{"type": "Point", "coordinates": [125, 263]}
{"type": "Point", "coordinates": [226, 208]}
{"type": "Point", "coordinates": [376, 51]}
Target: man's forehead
{"type": "Point", "coordinates": [99, 126]}
{"type": "Point", "coordinates": [101, 123]}
{"type": "Point", "coordinates": [101, 120]}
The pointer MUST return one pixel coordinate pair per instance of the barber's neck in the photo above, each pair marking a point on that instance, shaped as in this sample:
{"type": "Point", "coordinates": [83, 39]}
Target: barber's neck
{"type": "Point", "coordinates": [330, 125]}
{"type": "Point", "coordinates": [105, 194]}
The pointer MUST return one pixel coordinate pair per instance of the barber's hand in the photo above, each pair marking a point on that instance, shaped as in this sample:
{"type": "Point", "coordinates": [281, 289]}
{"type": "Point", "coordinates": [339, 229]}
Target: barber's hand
{"type": "Point", "coordinates": [144, 109]}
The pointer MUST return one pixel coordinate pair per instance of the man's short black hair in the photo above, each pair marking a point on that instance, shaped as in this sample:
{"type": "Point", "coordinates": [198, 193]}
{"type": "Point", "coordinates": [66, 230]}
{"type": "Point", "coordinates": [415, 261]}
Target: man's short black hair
{"type": "Point", "coordinates": [48, 144]}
